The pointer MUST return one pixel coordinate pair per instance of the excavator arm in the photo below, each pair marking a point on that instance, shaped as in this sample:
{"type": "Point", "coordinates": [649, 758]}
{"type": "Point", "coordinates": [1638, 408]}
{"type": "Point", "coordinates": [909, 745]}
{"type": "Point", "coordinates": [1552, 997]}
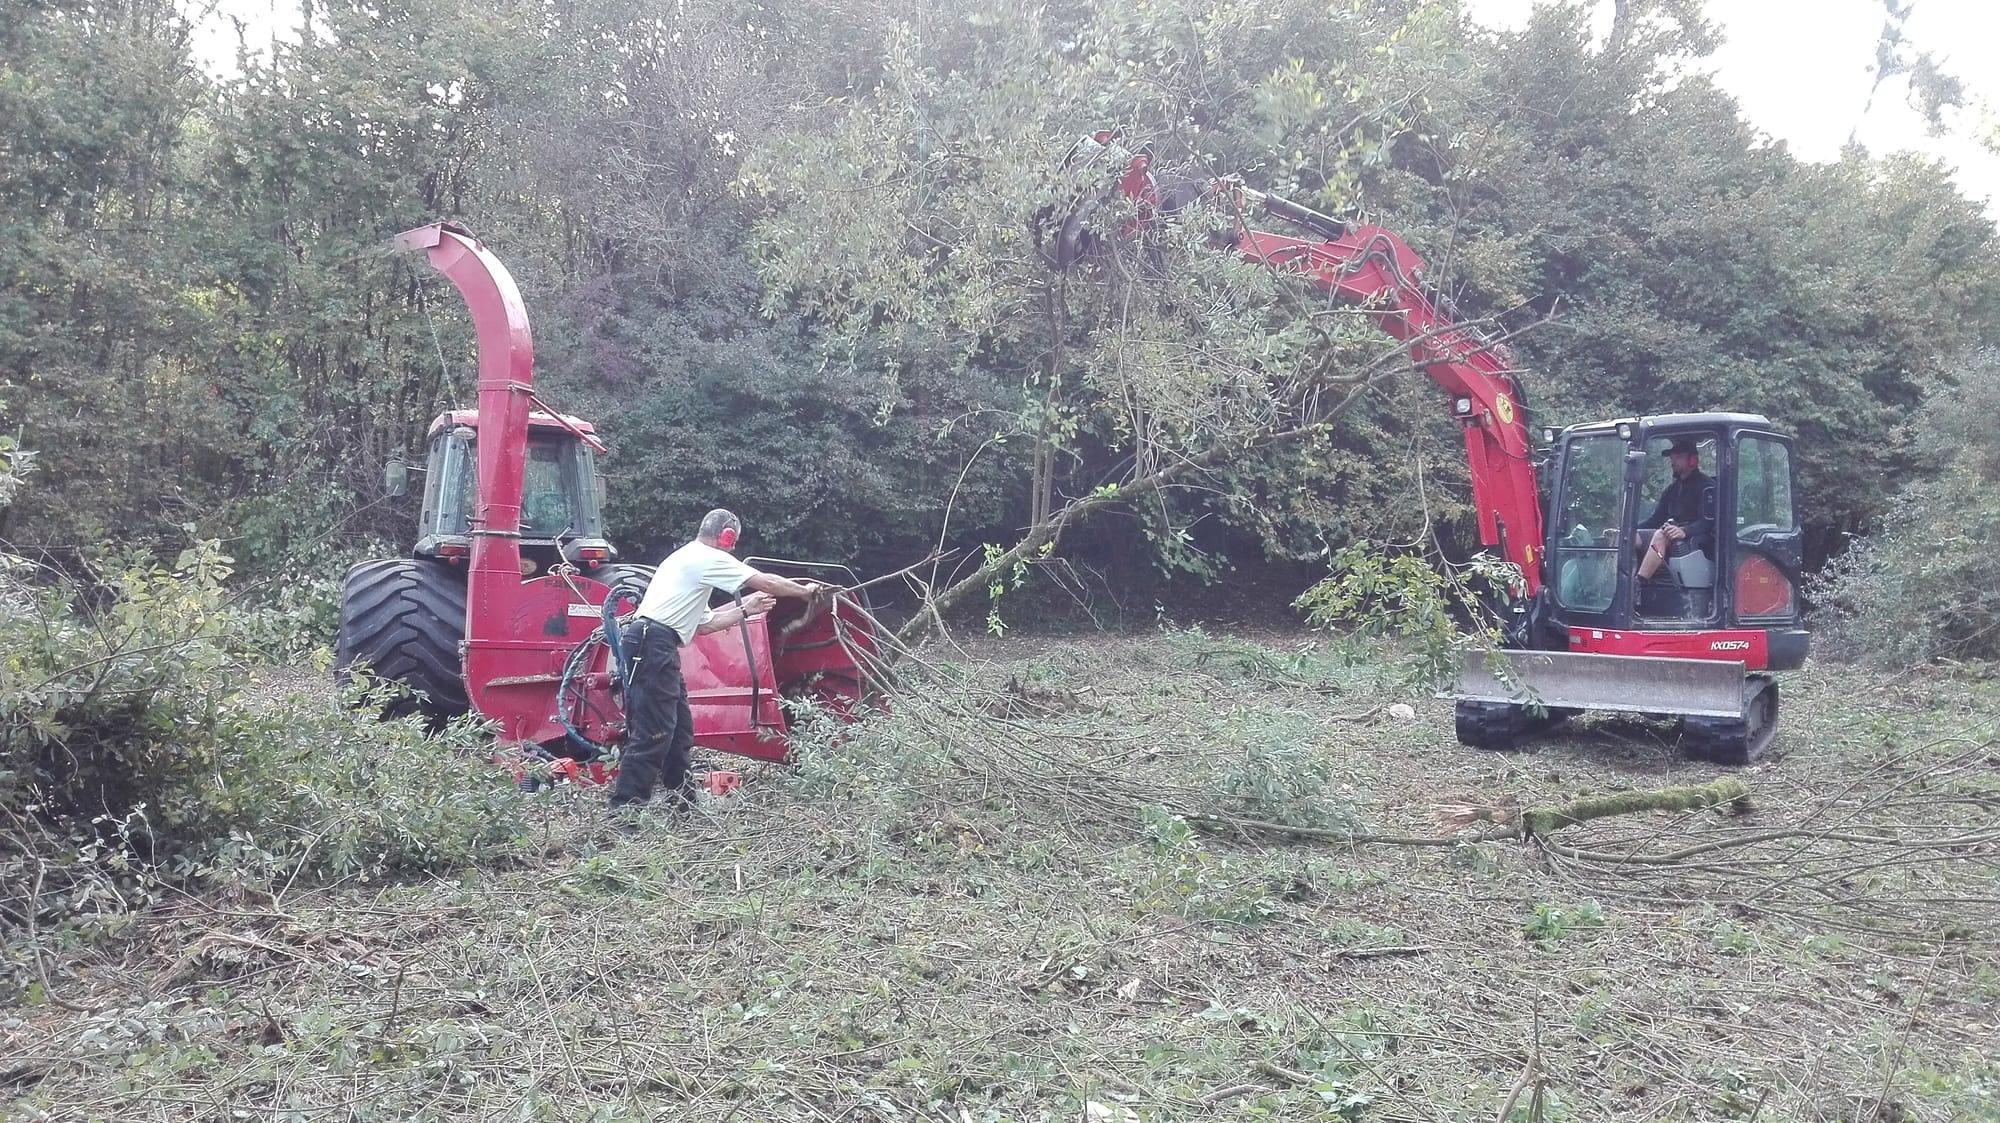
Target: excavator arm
{"type": "Point", "coordinates": [1553, 670]}
{"type": "Point", "coordinates": [1377, 270]}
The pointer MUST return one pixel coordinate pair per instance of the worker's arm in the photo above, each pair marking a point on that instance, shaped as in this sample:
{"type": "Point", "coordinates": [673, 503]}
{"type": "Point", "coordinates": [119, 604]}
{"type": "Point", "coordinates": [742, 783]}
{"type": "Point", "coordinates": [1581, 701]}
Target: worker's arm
{"type": "Point", "coordinates": [781, 586]}
{"type": "Point", "coordinates": [729, 616]}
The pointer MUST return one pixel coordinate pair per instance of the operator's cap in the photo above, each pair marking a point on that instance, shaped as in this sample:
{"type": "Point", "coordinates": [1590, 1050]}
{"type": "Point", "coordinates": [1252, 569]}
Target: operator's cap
{"type": "Point", "coordinates": [1682, 444]}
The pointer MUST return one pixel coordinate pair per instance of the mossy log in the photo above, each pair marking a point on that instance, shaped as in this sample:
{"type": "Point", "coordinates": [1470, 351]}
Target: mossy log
{"type": "Point", "coordinates": [1547, 820]}
{"type": "Point", "coordinates": [1507, 821]}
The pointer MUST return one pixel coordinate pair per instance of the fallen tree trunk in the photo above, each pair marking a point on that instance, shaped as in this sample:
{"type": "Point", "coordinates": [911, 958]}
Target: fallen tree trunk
{"type": "Point", "coordinates": [1548, 820]}
{"type": "Point", "coordinates": [1506, 822]}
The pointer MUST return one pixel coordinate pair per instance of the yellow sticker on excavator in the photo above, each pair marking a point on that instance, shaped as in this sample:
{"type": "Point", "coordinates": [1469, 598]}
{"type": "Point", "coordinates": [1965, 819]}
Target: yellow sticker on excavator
{"type": "Point", "coordinates": [1504, 406]}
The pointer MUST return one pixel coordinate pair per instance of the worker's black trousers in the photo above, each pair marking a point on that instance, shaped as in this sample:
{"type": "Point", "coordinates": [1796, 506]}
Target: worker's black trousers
{"type": "Point", "coordinates": [659, 730]}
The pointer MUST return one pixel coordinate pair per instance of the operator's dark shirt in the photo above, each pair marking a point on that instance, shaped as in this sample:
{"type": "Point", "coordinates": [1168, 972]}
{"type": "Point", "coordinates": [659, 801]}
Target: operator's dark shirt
{"type": "Point", "coordinates": [1681, 502]}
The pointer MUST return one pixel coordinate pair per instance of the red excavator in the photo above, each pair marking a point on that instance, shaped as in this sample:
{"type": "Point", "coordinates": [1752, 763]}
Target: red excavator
{"type": "Point", "coordinates": [1584, 631]}
{"type": "Point", "coordinates": [505, 603]}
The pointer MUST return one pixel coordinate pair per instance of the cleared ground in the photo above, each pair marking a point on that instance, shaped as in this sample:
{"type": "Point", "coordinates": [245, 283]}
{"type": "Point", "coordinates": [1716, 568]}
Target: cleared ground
{"type": "Point", "coordinates": [1002, 904]}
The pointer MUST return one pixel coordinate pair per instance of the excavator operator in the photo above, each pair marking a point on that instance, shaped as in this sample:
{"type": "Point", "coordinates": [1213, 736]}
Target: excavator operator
{"type": "Point", "coordinates": [1680, 513]}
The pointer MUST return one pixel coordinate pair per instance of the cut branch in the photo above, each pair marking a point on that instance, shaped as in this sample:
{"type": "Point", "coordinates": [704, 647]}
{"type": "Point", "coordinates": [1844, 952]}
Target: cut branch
{"type": "Point", "coordinates": [1548, 820]}
{"type": "Point", "coordinates": [1505, 823]}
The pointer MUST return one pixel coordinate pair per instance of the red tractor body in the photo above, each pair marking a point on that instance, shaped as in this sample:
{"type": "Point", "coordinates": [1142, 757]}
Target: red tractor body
{"type": "Point", "coordinates": [499, 611]}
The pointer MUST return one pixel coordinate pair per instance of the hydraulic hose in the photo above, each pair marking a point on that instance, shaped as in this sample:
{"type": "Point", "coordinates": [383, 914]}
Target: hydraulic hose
{"type": "Point", "coordinates": [578, 659]}
{"type": "Point", "coordinates": [614, 642]}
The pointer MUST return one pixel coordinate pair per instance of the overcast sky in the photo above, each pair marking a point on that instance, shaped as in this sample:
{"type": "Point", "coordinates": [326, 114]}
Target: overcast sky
{"type": "Point", "coordinates": [1800, 68]}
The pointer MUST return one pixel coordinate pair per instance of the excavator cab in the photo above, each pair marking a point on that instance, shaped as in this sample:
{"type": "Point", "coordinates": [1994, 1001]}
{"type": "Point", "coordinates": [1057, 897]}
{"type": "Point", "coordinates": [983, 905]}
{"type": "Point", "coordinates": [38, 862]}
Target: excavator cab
{"type": "Point", "coordinates": [1736, 564]}
{"type": "Point", "coordinates": [1697, 638]}
{"type": "Point", "coordinates": [561, 515]}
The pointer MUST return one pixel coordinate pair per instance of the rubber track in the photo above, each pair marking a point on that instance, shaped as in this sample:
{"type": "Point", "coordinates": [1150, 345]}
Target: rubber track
{"type": "Point", "coordinates": [1732, 741]}
{"type": "Point", "coordinates": [405, 618]}
{"type": "Point", "coordinates": [1500, 726]}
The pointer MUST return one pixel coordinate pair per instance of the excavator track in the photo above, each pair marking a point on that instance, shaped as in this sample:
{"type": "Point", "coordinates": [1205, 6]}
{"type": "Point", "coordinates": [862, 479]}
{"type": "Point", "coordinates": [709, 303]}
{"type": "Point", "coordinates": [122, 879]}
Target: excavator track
{"type": "Point", "coordinates": [1736, 741]}
{"type": "Point", "coordinates": [1497, 726]}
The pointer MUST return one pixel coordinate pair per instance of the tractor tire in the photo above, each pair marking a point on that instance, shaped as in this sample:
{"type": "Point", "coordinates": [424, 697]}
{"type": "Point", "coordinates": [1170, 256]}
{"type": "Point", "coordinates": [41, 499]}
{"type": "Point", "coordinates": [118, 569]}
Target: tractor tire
{"type": "Point", "coordinates": [627, 581]}
{"type": "Point", "coordinates": [403, 618]}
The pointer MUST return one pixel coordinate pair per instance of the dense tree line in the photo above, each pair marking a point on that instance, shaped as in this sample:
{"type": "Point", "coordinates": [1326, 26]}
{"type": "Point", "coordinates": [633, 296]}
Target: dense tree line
{"type": "Point", "coordinates": [782, 254]}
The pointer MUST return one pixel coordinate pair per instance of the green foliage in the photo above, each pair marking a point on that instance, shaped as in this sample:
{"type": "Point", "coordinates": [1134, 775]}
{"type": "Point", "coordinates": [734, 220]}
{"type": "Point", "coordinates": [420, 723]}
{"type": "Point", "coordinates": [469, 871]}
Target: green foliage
{"type": "Point", "coordinates": [784, 256]}
{"type": "Point", "coordinates": [136, 751]}
{"type": "Point", "coordinates": [904, 215]}
{"type": "Point", "coordinates": [1273, 768]}
{"type": "Point", "coordinates": [1374, 592]}
{"type": "Point", "coordinates": [1344, 1057]}
{"type": "Point", "coordinates": [1731, 938]}
{"type": "Point", "coordinates": [1540, 1105]}
{"type": "Point", "coordinates": [1549, 925]}
{"type": "Point", "coordinates": [15, 465]}
{"type": "Point", "coordinates": [1696, 267]}
{"type": "Point", "coordinates": [1186, 879]}
{"type": "Point", "coordinates": [93, 310]}
{"type": "Point", "coordinates": [1926, 583]}
{"type": "Point", "coordinates": [290, 619]}
{"type": "Point", "coordinates": [104, 710]}
{"type": "Point", "coordinates": [1972, 1094]}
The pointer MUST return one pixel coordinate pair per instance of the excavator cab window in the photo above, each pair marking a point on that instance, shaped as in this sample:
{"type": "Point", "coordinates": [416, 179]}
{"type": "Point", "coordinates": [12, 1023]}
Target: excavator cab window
{"type": "Point", "coordinates": [1766, 531]}
{"type": "Point", "coordinates": [1684, 588]}
{"type": "Point", "coordinates": [1763, 488]}
{"type": "Point", "coordinates": [1593, 498]}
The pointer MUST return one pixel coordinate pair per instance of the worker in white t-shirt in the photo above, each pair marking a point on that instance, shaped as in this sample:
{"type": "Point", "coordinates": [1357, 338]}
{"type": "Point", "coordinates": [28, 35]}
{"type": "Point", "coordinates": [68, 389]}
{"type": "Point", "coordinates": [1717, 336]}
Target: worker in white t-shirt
{"type": "Point", "coordinates": [659, 730]}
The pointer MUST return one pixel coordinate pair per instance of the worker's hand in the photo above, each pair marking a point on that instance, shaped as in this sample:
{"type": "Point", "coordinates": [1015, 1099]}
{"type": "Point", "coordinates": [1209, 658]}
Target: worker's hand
{"type": "Point", "coordinates": [1675, 533]}
{"type": "Point", "coordinates": [757, 604]}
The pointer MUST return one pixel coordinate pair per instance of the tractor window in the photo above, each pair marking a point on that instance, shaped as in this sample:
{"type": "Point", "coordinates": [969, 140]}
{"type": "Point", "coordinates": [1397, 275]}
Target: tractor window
{"type": "Point", "coordinates": [1588, 537]}
{"type": "Point", "coordinates": [453, 485]}
{"type": "Point", "coordinates": [1763, 488]}
{"type": "Point", "coordinates": [545, 495]}
{"type": "Point", "coordinates": [558, 487]}
{"type": "Point", "coordinates": [559, 490]}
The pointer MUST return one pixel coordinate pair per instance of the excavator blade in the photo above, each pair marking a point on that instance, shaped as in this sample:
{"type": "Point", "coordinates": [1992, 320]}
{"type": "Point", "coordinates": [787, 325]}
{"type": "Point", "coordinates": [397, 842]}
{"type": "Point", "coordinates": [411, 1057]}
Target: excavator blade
{"type": "Point", "coordinates": [1562, 680]}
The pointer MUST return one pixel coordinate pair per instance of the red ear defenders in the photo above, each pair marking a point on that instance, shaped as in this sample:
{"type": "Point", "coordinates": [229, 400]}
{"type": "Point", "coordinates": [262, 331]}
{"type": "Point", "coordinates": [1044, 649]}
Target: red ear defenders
{"type": "Point", "coordinates": [726, 539]}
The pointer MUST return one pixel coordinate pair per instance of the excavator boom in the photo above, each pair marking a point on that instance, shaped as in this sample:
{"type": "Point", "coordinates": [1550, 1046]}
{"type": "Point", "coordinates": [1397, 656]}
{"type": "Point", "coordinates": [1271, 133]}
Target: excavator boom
{"type": "Point", "coordinates": [1373, 267]}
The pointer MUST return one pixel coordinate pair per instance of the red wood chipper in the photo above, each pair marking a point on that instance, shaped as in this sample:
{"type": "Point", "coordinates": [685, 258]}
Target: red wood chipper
{"type": "Point", "coordinates": [501, 606]}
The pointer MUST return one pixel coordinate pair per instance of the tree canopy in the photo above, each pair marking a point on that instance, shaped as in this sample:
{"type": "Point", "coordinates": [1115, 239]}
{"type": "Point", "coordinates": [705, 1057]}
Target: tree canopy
{"type": "Point", "coordinates": [785, 257]}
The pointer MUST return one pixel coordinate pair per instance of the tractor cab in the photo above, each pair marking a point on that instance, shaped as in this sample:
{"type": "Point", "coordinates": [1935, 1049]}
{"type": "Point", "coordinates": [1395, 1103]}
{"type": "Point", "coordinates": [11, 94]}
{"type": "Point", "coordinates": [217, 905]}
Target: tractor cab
{"type": "Point", "coordinates": [561, 494]}
{"type": "Point", "coordinates": [1733, 566]}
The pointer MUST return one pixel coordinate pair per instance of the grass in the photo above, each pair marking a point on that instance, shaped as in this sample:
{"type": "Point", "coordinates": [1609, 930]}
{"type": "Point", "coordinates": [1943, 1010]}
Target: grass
{"type": "Point", "coordinates": [1002, 904]}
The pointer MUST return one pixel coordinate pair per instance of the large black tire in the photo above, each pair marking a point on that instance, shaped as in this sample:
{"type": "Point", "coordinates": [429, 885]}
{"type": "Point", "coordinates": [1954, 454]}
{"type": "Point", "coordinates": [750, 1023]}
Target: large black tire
{"type": "Point", "coordinates": [404, 618]}
{"type": "Point", "coordinates": [628, 580]}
